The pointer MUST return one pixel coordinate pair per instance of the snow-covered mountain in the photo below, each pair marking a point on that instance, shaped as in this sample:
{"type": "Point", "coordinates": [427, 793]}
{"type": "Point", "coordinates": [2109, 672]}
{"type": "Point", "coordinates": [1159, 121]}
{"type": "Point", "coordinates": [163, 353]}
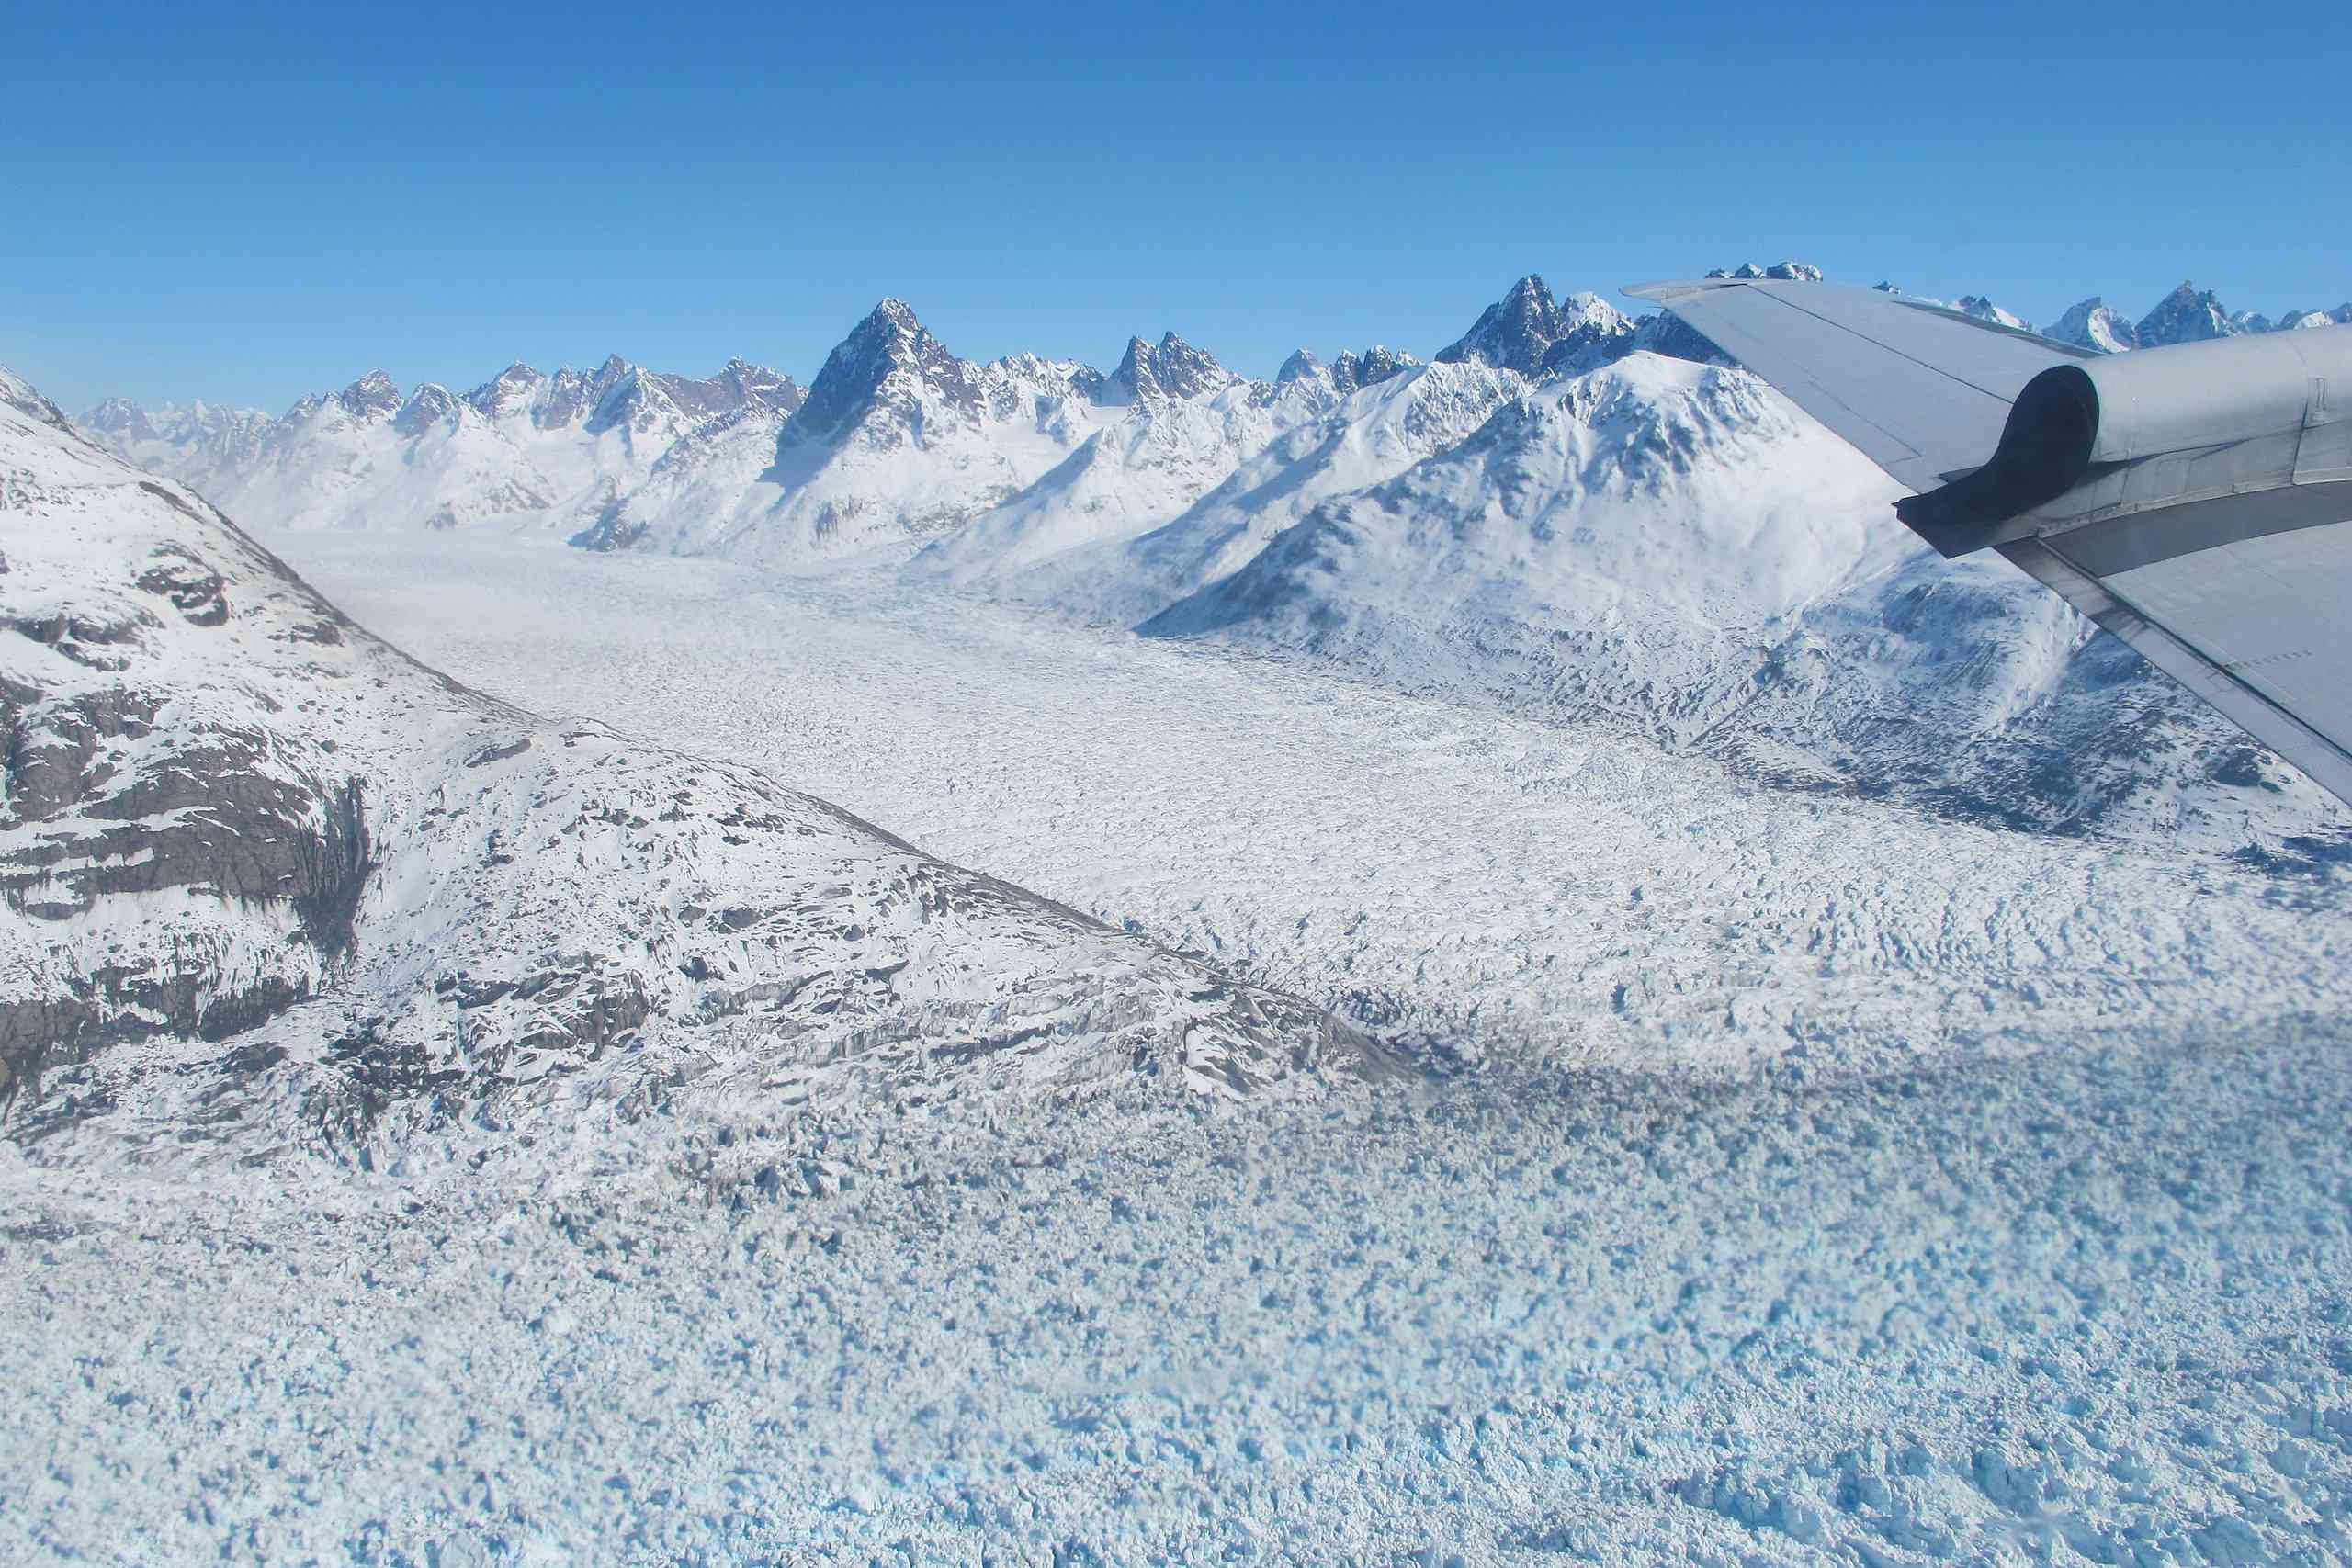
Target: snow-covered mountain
{"type": "Point", "coordinates": [1673, 546]}
{"type": "Point", "coordinates": [550, 449]}
{"type": "Point", "coordinates": [1030, 550]}
{"type": "Point", "coordinates": [899, 439]}
{"type": "Point", "coordinates": [266, 876]}
{"type": "Point", "coordinates": [1559, 510]}
{"type": "Point", "coordinates": [2188, 314]}
{"type": "Point", "coordinates": [2091, 324]}
{"type": "Point", "coordinates": [1178, 424]}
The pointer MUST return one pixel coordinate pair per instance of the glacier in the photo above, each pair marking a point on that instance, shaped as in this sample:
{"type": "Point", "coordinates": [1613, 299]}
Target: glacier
{"type": "Point", "coordinates": [1571, 997]}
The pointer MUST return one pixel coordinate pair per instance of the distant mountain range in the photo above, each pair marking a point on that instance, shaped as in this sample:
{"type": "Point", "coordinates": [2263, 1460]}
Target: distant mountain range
{"type": "Point", "coordinates": [1570, 508]}
{"type": "Point", "coordinates": [896, 440]}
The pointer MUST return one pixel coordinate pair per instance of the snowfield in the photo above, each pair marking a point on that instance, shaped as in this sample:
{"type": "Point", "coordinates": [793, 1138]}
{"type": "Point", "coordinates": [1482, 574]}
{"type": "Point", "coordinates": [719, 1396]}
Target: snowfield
{"type": "Point", "coordinates": [1441, 870]}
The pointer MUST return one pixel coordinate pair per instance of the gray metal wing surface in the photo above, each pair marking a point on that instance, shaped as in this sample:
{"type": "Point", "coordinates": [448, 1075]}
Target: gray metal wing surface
{"type": "Point", "coordinates": [2196, 500]}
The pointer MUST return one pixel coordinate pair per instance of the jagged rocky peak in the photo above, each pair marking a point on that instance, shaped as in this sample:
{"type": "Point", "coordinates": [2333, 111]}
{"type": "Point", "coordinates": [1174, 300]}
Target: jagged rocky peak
{"type": "Point", "coordinates": [1371, 367]}
{"type": "Point", "coordinates": [1779, 272]}
{"type": "Point", "coordinates": [2091, 324]}
{"type": "Point", "coordinates": [2303, 320]}
{"type": "Point", "coordinates": [744, 383]}
{"type": "Point", "coordinates": [1511, 333]}
{"type": "Point", "coordinates": [2186, 315]}
{"type": "Point", "coordinates": [576, 396]}
{"type": "Point", "coordinates": [889, 363]}
{"type": "Point", "coordinates": [429, 405]}
{"type": "Point", "coordinates": [1349, 372]}
{"type": "Point", "coordinates": [372, 397]}
{"type": "Point", "coordinates": [1050, 377]}
{"type": "Point", "coordinates": [1530, 332]}
{"type": "Point", "coordinates": [1169, 368]}
{"type": "Point", "coordinates": [1591, 332]}
{"type": "Point", "coordinates": [511, 390]}
{"type": "Point", "coordinates": [119, 416]}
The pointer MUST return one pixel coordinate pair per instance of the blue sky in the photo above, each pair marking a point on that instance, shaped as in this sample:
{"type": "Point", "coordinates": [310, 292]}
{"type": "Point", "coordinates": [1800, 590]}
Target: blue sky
{"type": "Point", "coordinates": [247, 202]}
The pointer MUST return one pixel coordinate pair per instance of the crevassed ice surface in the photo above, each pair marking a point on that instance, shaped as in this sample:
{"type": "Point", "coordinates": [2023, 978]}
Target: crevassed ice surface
{"type": "Point", "coordinates": [1797, 1178]}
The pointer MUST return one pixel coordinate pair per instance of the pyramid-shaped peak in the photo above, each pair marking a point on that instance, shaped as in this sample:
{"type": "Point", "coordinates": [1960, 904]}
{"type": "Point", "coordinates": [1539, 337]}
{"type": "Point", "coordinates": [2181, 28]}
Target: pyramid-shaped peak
{"type": "Point", "coordinates": [1523, 330]}
{"type": "Point", "coordinates": [888, 361]}
{"type": "Point", "coordinates": [2091, 324]}
{"type": "Point", "coordinates": [1169, 368]}
{"type": "Point", "coordinates": [372, 396]}
{"type": "Point", "coordinates": [428, 405]}
{"type": "Point", "coordinates": [895, 314]}
{"type": "Point", "coordinates": [2188, 314]}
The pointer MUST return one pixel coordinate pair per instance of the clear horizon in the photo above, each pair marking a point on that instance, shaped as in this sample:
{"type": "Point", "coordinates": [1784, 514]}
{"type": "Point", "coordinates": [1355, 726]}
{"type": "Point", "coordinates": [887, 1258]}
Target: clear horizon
{"type": "Point", "coordinates": [247, 204]}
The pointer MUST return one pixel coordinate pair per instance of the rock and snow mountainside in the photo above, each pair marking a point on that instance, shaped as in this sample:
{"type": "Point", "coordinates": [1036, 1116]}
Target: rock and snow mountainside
{"type": "Point", "coordinates": [1672, 546]}
{"type": "Point", "coordinates": [1177, 423]}
{"type": "Point", "coordinates": [269, 880]}
{"type": "Point", "coordinates": [1134, 563]}
{"type": "Point", "coordinates": [555, 450]}
{"type": "Point", "coordinates": [899, 438]}
{"type": "Point", "coordinates": [2091, 324]}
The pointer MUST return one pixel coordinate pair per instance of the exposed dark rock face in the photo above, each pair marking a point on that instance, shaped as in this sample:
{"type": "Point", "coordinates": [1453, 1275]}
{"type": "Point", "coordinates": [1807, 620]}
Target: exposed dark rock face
{"type": "Point", "coordinates": [2186, 315]}
{"type": "Point", "coordinates": [1351, 371]}
{"type": "Point", "coordinates": [372, 397]}
{"type": "Point", "coordinates": [882, 368]}
{"type": "Point", "coordinates": [1513, 333]}
{"type": "Point", "coordinates": [1171, 368]}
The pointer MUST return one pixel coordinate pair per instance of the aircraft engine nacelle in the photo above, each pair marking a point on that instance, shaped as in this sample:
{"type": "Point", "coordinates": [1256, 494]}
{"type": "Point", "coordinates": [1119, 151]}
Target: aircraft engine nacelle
{"type": "Point", "coordinates": [2127, 432]}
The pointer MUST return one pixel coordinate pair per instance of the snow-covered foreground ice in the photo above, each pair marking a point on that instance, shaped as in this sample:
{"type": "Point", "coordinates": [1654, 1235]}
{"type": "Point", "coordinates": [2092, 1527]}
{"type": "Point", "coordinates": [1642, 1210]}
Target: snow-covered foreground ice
{"type": "Point", "coordinates": [2093, 1306]}
{"type": "Point", "coordinates": [1490, 882]}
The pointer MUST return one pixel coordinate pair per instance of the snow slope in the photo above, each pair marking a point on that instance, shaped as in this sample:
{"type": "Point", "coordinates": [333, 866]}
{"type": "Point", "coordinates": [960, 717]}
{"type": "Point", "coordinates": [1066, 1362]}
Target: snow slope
{"type": "Point", "coordinates": [271, 883]}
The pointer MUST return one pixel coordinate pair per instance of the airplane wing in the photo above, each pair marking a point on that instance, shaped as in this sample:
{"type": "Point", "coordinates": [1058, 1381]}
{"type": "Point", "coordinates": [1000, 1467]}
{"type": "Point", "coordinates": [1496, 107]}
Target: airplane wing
{"type": "Point", "coordinates": [2196, 501]}
{"type": "Point", "coordinates": [1922, 391]}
